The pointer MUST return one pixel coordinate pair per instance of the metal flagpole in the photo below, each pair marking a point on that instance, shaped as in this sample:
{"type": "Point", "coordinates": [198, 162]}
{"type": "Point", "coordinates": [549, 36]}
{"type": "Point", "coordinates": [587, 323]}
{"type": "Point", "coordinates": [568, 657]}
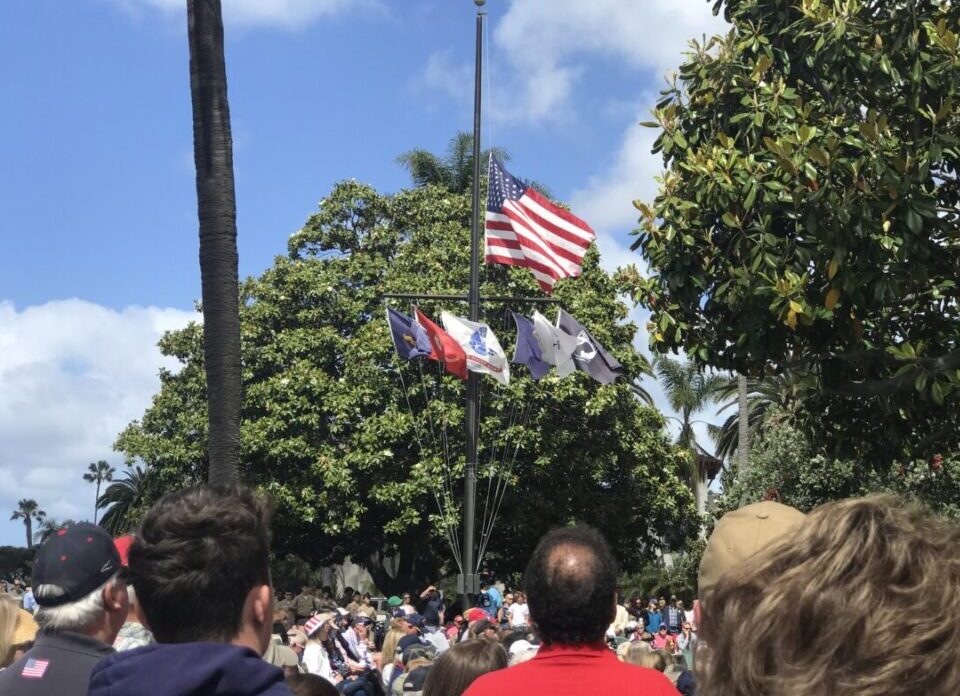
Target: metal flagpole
{"type": "Point", "coordinates": [470, 583]}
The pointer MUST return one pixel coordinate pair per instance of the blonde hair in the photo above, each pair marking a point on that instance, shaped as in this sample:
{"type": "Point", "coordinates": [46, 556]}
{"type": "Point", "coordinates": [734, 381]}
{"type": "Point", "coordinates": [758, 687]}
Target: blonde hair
{"type": "Point", "coordinates": [9, 615]}
{"type": "Point", "coordinates": [856, 600]}
{"type": "Point", "coordinates": [641, 655]}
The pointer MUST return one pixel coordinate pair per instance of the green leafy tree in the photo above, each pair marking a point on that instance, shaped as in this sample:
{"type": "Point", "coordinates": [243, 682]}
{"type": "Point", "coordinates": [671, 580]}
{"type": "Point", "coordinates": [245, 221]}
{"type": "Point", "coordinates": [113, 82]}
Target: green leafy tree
{"type": "Point", "coordinates": [124, 500]}
{"type": "Point", "coordinates": [779, 395]}
{"type": "Point", "coordinates": [15, 562]}
{"type": "Point", "coordinates": [217, 213]}
{"type": "Point", "coordinates": [29, 511]}
{"type": "Point", "coordinates": [786, 466]}
{"type": "Point", "coordinates": [689, 390]}
{"type": "Point", "coordinates": [98, 473]}
{"type": "Point", "coordinates": [452, 171]}
{"type": "Point", "coordinates": [353, 445]}
{"type": "Point", "coordinates": [808, 215]}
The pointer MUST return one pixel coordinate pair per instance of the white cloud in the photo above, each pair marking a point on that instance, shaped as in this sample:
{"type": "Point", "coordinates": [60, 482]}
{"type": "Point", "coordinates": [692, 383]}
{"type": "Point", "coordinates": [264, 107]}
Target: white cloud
{"type": "Point", "coordinates": [444, 75]}
{"type": "Point", "coordinates": [72, 375]}
{"type": "Point", "coordinates": [287, 14]}
{"type": "Point", "coordinates": [544, 39]}
{"type": "Point", "coordinates": [606, 200]}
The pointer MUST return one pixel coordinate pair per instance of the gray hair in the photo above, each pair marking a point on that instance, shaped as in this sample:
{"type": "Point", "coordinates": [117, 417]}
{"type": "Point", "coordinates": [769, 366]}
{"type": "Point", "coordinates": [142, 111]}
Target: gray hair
{"type": "Point", "coordinates": [75, 616]}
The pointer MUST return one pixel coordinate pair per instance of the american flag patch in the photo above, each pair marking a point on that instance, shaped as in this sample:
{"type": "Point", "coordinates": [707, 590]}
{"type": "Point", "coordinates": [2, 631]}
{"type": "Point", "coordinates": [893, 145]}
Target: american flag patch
{"type": "Point", "coordinates": [35, 669]}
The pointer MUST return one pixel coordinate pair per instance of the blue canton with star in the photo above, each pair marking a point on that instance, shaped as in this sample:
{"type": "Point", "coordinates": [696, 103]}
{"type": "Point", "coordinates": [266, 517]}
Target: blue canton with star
{"type": "Point", "coordinates": [503, 186]}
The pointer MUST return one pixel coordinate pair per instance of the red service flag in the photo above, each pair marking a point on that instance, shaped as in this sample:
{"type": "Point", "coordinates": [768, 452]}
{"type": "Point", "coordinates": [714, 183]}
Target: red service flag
{"type": "Point", "coordinates": [443, 347]}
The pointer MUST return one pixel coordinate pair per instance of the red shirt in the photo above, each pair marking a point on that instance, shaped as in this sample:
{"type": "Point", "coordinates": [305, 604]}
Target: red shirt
{"type": "Point", "coordinates": [573, 671]}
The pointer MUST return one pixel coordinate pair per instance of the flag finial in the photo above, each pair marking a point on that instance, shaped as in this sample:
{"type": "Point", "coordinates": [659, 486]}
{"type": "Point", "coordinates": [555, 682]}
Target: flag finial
{"type": "Point", "coordinates": [479, 3]}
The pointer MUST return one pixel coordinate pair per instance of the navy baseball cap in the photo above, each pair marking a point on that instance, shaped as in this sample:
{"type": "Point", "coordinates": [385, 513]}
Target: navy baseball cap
{"type": "Point", "coordinates": [78, 559]}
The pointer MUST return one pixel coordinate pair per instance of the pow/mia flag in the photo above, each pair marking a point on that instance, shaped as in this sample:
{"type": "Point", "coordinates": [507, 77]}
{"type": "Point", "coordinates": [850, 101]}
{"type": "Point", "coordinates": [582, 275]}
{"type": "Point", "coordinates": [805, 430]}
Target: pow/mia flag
{"type": "Point", "coordinates": [589, 356]}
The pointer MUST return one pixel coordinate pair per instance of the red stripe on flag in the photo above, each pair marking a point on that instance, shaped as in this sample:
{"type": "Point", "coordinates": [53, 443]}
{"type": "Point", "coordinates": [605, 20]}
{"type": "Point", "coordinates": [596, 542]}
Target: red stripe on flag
{"type": "Point", "coordinates": [532, 239]}
{"type": "Point", "coordinates": [560, 212]}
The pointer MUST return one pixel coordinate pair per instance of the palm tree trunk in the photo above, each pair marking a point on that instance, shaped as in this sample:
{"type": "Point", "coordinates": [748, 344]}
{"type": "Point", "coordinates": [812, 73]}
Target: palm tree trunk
{"type": "Point", "coordinates": [216, 209]}
{"type": "Point", "coordinates": [97, 498]}
{"type": "Point", "coordinates": [29, 525]}
{"type": "Point", "coordinates": [743, 438]}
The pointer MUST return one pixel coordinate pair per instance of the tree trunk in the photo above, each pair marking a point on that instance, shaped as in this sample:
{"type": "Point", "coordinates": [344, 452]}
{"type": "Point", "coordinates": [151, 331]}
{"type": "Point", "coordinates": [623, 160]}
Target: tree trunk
{"type": "Point", "coordinates": [216, 210]}
{"type": "Point", "coordinates": [29, 525]}
{"type": "Point", "coordinates": [96, 499]}
{"type": "Point", "coordinates": [743, 437]}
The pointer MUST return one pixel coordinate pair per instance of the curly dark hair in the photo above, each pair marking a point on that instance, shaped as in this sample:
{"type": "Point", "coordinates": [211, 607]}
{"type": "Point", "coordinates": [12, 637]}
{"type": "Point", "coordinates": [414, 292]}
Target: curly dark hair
{"type": "Point", "coordinates": [197, 555]}
{"type": "Point", "coordinates": [570, 582]}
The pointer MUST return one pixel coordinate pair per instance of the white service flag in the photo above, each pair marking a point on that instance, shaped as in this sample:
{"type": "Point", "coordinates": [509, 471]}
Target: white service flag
{"type": "Point", "coordinates": [483, 350]}
{"type": "Point", "coordinates": [556, 345]}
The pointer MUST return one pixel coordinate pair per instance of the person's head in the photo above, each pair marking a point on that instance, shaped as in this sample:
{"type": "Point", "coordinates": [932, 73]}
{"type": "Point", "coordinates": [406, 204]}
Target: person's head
{"type": "Point", "coordinates": [662, 631]}
{"type": "Point", "coordinates": [870, 577]}
{"type": "Point", "coordinates": [365, 598]}
{"type": "Point", "coordinates": [362, 627]}
{"type": "Point", "coordinates": [200, 564]}
{"type": "Point", "coordinates": [686, 627]}
{"type": "Point", "coordinates": [406, 598]}
{"type": "Point", "coordinates": [508, 600]}
{"type": "Point", "coordinates": [519, 597]}
{"type": "Point", "coordinates": [680, 605]}
{"type": "Point", "coordinates": [297, 640]}
{"type": "Point", "coordinates": [661, 603]}
{"type": "Point", "coordinates": [288, 595]}
{"type": "Point", "coordinates": [571, 578]}
{"type": "Point", "coordinates": [80, 585]}
{"type": "Point", "coordinates": [640, 654]}
{"type": "Point", "coordinates": [484, 629]}
{"type": "Point", "coordinates": [741, 534]}
{"type": "Point", "coordinates": [652, 604]}
{"type": "Point", "coordinates": [310, 685]}
{"type": "Point", "coordinates": [17, 631]}
{"type": "Point", "coordinates": [412, 623]}
{"type": "Point", "coordinates": [459, 666]}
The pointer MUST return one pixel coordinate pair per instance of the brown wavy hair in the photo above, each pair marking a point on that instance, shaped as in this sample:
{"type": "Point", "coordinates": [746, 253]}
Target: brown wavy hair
{"type": "Point", "coordinates": [859, 599]}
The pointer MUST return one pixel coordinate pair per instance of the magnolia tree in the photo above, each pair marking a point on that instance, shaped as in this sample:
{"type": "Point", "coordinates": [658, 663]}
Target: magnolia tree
{"type": "Point", "coordinates": [353, 445]}
{"type": "Point", "coordinates": [807, 220]}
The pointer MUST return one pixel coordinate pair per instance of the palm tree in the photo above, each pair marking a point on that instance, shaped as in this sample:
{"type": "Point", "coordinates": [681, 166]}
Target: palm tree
{"type": "Point", "coordinates": [689, 391]}
{"type": "Point", "coordinates": [122, 497]}
{"type": "Point", "coordinates": [771, 394]}
{"type": "Point", "coordinates": [48, 527]}
{"type": "Point", "coordinates": [28, 510]}
{"type": "Point", "coordinates": [217, 213]}
{"type": "Point", "coordinates": [98, 472]}
{"type": "Point", "coordinates": [453, 171]}
{"type": "Point", "coordinates": [639, 391]}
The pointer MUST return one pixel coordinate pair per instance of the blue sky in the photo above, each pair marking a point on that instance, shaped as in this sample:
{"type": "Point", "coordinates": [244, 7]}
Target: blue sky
{"type": "Point", "coordinates": [97, 183]}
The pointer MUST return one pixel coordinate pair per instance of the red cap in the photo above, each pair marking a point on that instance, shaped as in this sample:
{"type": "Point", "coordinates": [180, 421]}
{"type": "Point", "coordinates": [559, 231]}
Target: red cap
{"type": "Point", "coordinates": [123, 545]}
{"type": "Point", "coordinates": [475, 614]}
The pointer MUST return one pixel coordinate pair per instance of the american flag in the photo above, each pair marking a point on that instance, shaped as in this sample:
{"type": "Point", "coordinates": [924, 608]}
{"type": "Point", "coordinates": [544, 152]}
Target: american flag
{"type": "Point", "coordinates": [34, 669]}
{"type": "Point", "coordinates": [523, 228]}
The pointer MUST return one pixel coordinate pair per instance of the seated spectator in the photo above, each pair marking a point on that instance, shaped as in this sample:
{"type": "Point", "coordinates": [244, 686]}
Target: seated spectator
{"type": "Point", "coordinates": [457, 669]}
{"type": "Point", "coordinates": [571, 580]}
{"type": "Point", "coordinates": [641, 655]}
{"type": "Point", "coordinates": [850, 602]}
{"type": "Point", "coordinates": [520, 651]}
{"type": "Point", "coordinates": [662, 638]}
{"type": "Point", "coordinates": [483, 629]}
{"type": "Point", "coordinates": [82, 605]}
{"type": "Point", "coordinates": [316, 659]}
{"type": "Point", "coordinates": [310, 685]}
{"type": "Point", "coordinates": [17, 631]}
{"type": "Point", "coordinates": [200, 564]}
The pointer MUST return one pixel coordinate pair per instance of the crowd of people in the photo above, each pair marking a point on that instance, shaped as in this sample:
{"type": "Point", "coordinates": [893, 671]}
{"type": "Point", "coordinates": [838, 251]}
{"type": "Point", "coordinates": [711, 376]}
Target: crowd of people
{"type": "Point", "coordinates": [846, 600]}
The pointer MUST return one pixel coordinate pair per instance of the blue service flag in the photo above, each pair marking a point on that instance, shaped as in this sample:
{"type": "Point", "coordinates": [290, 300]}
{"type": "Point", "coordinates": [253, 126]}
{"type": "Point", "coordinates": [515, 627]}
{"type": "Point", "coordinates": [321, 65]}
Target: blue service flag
{"type": "Point", "coordinates": [528, 350]}
{"type": "Point", "coordinates": [409, 338]}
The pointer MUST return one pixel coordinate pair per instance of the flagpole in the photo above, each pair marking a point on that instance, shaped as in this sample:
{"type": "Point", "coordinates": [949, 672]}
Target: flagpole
{"type": "Point", "coordinates": [470, 583]}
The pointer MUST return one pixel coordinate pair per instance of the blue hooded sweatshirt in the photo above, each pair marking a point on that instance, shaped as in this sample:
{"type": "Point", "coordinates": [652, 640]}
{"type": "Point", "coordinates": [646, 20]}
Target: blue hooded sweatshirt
{"type": "Point", "coordinates": [187, 669]}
